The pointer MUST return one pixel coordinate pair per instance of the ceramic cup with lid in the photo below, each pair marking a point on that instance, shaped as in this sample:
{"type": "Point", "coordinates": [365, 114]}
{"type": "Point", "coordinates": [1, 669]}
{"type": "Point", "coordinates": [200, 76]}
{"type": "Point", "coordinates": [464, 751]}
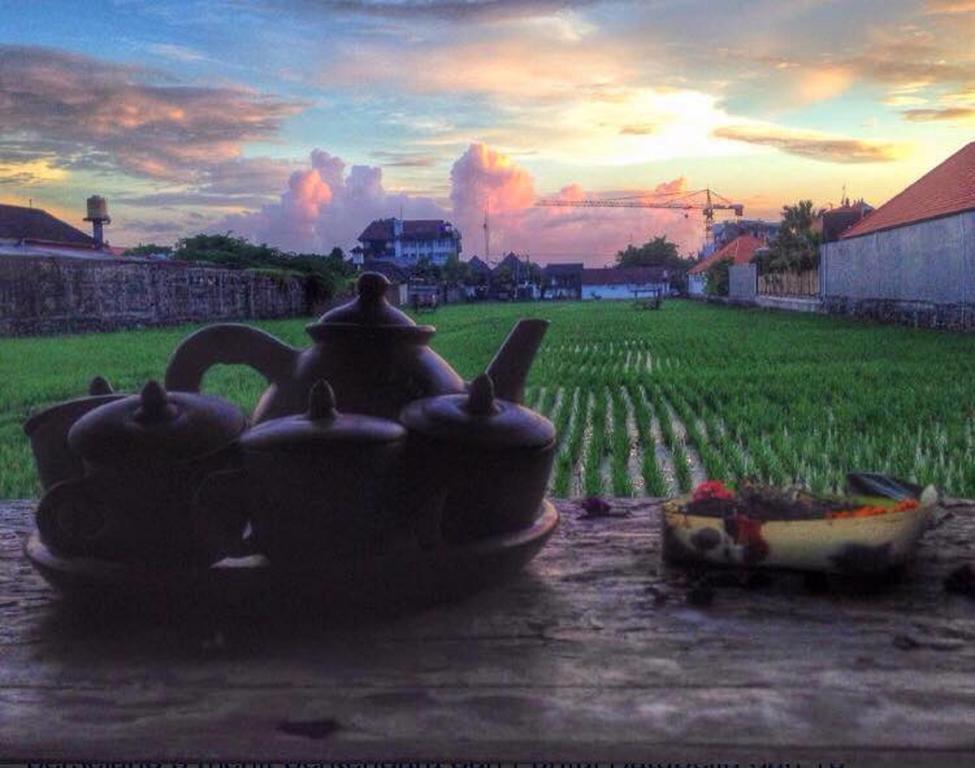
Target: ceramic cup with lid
{"type": "Point", "coordinates": [144, 458]}
{"type": "Point", "coordinates": [491, 457]}
{"type": "Point", "coordinates": [48, 433]}
{"type": "Point", "coordinates": [323, 483]}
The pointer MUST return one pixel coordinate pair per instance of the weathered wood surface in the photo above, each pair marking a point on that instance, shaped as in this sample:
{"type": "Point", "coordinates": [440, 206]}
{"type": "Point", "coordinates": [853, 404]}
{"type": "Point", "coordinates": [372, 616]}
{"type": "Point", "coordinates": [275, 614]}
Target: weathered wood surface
{"type": "Point", "coordinates": [595, 652]}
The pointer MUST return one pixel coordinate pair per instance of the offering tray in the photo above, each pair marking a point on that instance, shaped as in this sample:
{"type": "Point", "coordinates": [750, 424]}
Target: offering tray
{"type": "Point", "coordinates": [404, 578]}
{"type": "Point", "coordinates": [875, 529]}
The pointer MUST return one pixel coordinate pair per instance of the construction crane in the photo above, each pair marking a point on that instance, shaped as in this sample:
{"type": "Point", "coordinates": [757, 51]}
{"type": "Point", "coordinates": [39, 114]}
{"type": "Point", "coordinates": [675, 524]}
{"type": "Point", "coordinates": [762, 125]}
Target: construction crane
{"type": "Point", "coordinates": [705, 200]}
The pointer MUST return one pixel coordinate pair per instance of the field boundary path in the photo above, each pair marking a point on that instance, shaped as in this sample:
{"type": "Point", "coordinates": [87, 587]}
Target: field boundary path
{"type": "Point", "coordinates": [595, 652]}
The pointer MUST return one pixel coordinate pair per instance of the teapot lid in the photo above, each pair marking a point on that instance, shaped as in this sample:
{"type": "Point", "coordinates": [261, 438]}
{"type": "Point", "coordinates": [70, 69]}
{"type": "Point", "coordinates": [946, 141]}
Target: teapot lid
{"type": "Point", "coordinates": [478, 418]}
{"type": "Point", "coordinates": [321, 424]}
{"type": "Point", "coordinates": [156, 424]}
{"type": "Point", "coordinates": [370, 307]}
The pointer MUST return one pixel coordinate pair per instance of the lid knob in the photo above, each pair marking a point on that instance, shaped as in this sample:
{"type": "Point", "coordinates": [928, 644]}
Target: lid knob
{"type": "Point", "coordinates": [99, 386]}
{"type": "Point", "coordinates": [481, 399]}
{"type": "Point", "coordinates": [372, 287]}
{"type": "Point", "coordinates": [321, 402]}
{"type": "Point", "coordinates": [154, 403]}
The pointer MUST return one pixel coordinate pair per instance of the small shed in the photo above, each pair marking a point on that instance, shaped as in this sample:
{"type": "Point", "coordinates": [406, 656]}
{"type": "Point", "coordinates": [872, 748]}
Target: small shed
{"type": "Point", "coordinates": [625, 282]}
{"type": "Point", "coordinates": [741, 250]}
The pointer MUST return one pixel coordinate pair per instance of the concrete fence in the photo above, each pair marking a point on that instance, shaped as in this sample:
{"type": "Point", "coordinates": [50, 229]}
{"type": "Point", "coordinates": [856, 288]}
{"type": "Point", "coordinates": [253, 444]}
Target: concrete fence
{"type": "Point", "coordinates": [922, 274]}
{"type": "Point", "coordinates": [742, 282]}
{"type": "Point", "coordinates": [62, 295]}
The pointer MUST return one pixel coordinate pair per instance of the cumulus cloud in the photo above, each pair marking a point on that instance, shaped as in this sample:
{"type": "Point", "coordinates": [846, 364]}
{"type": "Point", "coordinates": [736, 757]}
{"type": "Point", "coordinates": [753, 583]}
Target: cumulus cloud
{"type": "Point", "coordinates": [323, 206]}
{"type": "Point", "coordinates": [484, 179]}
{"type": "Point", "coordinates": [112, 116]}
{"type": "Point", "coordinates": [326, 204]}
{"type": "Point", "coordinates": [813, 146]}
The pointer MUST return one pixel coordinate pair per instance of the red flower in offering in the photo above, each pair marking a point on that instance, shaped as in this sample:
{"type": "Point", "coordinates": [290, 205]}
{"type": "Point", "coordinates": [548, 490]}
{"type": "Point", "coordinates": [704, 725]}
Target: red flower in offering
{"type": "Point", "coordinates": [712, 489]}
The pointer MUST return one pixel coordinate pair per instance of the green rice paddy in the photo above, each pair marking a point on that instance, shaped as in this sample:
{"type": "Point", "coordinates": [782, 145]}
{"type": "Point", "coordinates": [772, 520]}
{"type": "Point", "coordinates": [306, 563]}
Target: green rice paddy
{"type": "Point", "coordinates": [646, 403]}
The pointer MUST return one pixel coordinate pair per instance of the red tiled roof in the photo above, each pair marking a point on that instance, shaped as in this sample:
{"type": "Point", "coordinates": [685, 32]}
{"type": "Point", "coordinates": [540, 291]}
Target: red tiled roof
{"type": "Point", "coordinates": [946, 189]}
{"type": "Point", "coordinates": [624, 275]}
{"type": "Point", "coordinates": [741, 250]}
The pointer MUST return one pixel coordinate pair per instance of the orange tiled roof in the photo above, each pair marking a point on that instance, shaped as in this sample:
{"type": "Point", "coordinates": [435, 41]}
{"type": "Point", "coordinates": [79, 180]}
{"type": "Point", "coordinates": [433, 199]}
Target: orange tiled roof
{"type": "Point", "coordinates": [946, 189]}
{"type": "Point", "coordinates": [741, 250]}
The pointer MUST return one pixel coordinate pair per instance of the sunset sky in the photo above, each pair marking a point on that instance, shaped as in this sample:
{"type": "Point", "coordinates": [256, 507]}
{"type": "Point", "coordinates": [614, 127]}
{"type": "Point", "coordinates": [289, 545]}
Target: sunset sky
{"type": "Point", "coordinates": [298, 122]}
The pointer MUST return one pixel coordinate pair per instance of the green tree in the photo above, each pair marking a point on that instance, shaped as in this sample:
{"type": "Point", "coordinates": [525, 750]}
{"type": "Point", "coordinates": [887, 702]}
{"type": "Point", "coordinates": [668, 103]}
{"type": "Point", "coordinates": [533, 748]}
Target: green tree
{"type": "Point", "coordinates": [325, 276]}
{"type": "Point", "coordinates": [148, 249]}
{"type": "Point", "coordinates": [503, 279]}
{"type": "Point", "coordinates": [796, 247]}
{"type": "Point", "coordinates": [718, 278]}
{"type": "Point", "coordinates": [426, 270]}
{"type": "Point", "coordinates": [455, 271]}
{"type": "Point", "coordinates": [659, 252]}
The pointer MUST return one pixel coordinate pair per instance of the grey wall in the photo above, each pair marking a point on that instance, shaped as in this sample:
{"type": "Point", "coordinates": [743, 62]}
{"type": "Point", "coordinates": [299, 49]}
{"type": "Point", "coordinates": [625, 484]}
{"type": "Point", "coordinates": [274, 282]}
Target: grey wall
{"type": "Point", "coordinates": [921, 275]}
{"type": "Point", "coordinates": [742, 282]}
{"type": "Point", "coordinates": [52, 295]}
{"type": "Point", "coordinates": [932, 262]}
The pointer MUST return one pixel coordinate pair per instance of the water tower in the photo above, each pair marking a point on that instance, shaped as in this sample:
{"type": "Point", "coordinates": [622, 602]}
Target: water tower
{"type": "Point", "coordinates": [98, 216]}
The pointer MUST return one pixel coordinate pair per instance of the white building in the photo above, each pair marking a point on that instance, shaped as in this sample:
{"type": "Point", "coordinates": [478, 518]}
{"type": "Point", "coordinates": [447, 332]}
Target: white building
{"type": "Point", "coordinates": [407, 242]}
{"type": "Point", "coordinates": [625, 282]}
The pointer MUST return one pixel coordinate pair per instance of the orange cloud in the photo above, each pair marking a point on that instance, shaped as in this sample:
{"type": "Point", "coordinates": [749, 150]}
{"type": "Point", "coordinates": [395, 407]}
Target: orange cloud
{"type": "Point", "coordinates": [484, 179]}
{"type": "Point", "coordinates": [812, 145]}
{"type": "Point", "coordinates": [104, 115]}
{"type": "Point", "coordinates": [822, 84]}
{"type": "Point", "coordinates": [948, 114]}
{"type": "Point", "coordinates": [950, 6]}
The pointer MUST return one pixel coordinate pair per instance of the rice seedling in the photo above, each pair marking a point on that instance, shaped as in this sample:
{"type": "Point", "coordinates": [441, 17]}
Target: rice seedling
{"type": "Point", "coordinates": [780, 396]}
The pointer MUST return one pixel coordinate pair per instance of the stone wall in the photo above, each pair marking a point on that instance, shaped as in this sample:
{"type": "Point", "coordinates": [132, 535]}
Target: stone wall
{"type": "Point", "coordinates": [920, 314]}
{"type": "Point", "coordinates": [64, 295]}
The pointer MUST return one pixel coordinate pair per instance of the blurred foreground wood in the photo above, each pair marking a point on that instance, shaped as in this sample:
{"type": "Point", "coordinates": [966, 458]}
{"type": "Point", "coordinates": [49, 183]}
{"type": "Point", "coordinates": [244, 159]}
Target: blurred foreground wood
{"type": "Point", "coordinates": [594, 653]}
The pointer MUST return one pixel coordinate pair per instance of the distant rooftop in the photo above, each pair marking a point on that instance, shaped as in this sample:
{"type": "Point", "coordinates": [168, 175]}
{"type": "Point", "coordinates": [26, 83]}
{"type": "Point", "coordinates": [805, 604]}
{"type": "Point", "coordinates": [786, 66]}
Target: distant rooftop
{"type": "Point", "coordinates": [564, 268]}
{"type": "Point", "coordinates": [740, 250]}
{"type": "Point", "coordinates": [947, 189]}
{"type": "Point", "coordinates": [36, 224]}
{"type": "Point", "coordinates": [413, 229]}
{"type": "Point", "coordinates": [624, 275]}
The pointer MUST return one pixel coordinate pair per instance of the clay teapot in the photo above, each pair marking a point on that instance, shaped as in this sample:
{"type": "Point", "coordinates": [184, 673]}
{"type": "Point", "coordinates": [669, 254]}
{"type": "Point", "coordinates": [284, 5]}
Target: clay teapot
{"type": "Point", "coordinates": [144, 457]}
{"type": "Point", "coordinates": [374, 356]}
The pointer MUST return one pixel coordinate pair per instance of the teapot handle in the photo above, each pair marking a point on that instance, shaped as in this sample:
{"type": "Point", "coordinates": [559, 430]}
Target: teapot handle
{"type": "Point", "coordinates": [232, 344]}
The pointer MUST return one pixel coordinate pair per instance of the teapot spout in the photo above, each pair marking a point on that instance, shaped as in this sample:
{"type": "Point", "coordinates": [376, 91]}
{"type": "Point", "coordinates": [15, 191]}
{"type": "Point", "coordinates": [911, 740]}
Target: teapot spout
{"type": "Point", "coordinates": [509, 368]}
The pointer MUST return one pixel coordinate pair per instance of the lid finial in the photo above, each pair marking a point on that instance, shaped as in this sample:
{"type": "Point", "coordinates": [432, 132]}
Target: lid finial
{"type": "Point", "coordinates": [481, 400]}
{"type": "Point", "coordinates": [321, 401]}
{"type": "Point", "coordinates": [372, 287]}
{"type": "Point", "coordinates": [154, 403]}
{"type": "Point", "coordinates": [99, 386]}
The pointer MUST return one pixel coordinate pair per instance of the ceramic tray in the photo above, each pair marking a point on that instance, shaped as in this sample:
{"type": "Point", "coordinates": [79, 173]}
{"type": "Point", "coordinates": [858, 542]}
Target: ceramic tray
{"type": "Point", "coordinates": [406, 578]}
